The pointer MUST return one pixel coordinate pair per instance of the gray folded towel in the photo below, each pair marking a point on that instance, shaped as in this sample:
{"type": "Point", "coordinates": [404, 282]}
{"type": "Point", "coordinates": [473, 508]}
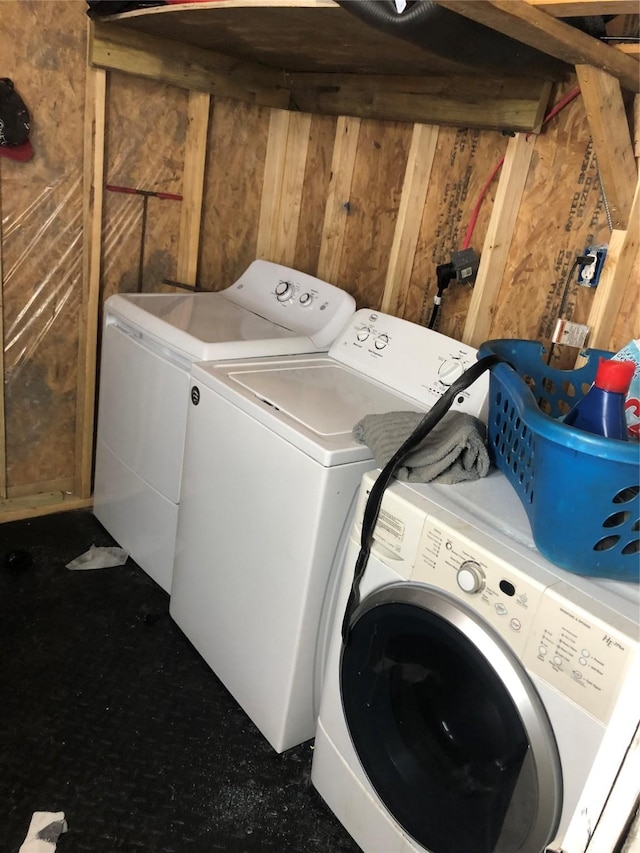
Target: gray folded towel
{"type": "Point", "coordinates": [452, 452]}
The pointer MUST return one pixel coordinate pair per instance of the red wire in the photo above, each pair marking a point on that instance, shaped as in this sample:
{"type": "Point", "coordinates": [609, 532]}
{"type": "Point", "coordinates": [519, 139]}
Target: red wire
{"type": "Point", "coordinates": [476, 210]}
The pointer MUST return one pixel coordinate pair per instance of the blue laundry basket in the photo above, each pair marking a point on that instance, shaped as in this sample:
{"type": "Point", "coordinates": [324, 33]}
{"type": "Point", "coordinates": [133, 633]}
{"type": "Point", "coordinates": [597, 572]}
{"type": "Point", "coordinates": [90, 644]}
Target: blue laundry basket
{"type": "Point", "coordinates": [580, 491]}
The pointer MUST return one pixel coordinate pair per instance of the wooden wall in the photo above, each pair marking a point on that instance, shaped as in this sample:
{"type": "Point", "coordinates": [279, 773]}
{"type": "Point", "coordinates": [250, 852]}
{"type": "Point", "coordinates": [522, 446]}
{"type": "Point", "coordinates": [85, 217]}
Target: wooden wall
{"type": "Point", "coordinates": [42, 46]}
{"type": "Point", "coordinates": [372, 206]}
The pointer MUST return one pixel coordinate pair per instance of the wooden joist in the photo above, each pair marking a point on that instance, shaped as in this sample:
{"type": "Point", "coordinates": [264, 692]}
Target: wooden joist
{"type": "Point", "coordinates": [572, 8]}
{"type": "Point", "coordinates": [611, 139]}
{"type": "Point", "coordinates": [500, 103]}
{"type": "Point", "coordinates": [116, 48]}
{"type": "Point", "coordinates": [531, 26]}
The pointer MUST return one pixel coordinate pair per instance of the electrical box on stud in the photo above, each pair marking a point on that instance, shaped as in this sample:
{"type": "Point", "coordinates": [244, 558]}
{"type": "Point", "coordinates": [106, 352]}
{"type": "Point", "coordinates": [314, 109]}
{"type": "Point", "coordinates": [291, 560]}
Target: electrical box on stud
{"type": "Point", "coordinates": [465, 265]}
{"type": "Point", "coordinates": [589, 272]}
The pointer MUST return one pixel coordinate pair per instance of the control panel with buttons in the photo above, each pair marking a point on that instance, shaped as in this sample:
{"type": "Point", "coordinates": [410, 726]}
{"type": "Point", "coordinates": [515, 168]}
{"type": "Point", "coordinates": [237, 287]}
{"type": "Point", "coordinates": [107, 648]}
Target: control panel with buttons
{"type": "Point", "coordinates": [400, 354]}
{"type": "Point", "coordinates": [566, 639]}
{"type": "Point", "coordinates": [302, 303]}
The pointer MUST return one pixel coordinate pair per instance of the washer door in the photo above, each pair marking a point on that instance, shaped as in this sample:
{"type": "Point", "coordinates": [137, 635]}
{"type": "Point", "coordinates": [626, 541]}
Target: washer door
{"type": "Point", "coordinates": [447, 725]}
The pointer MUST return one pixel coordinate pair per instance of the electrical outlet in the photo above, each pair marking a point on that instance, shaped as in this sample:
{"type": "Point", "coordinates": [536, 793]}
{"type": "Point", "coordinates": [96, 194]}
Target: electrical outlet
{"type": "Point", "coordinates": [589, 274]}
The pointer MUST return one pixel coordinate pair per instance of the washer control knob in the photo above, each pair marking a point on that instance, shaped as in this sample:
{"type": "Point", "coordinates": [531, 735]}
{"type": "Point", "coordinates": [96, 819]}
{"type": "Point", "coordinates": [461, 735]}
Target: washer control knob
{"type": "Point", "coordinates": [470, 577]}
{"type": "Point", "coordinates": [381, 341]}
{"type": "Point", "coordinates": [362, 334]}
{"type": "Point", "coordinates": [450, 370]}
{"type": "Point", "coordinates": [306, 299]}
{"type": "Point", "coordinates": [284, 291]}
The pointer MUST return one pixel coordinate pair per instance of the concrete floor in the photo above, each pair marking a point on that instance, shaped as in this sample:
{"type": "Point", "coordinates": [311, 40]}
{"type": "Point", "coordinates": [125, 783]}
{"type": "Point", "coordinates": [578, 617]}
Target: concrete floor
{"type": "Point", "coordinates": [111, 716]}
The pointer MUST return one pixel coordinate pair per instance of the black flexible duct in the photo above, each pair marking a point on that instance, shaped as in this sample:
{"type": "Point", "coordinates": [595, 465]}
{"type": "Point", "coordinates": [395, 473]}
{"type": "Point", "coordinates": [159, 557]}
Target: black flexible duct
{"type": "Point", "coordinates": [452, 36]}
{"type": "Point", "coordinates": [374, 501]}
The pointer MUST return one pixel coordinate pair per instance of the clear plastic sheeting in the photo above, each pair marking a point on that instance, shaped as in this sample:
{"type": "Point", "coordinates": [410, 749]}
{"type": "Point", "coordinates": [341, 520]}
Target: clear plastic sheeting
{"type": "Point", "coordinates": [44, 295]}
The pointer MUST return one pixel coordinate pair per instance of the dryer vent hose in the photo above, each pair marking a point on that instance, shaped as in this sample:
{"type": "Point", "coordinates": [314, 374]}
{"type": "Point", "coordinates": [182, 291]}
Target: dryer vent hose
{"type": "Point", "coordinates": [447, 34]}
{"type": "Point", "coordinates": [374, 501]}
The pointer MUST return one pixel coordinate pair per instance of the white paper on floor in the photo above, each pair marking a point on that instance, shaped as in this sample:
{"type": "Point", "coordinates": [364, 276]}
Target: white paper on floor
{"type": "Point", "coordinates": [44, 830]}
{"type": "Point", "coordinates": [99, 558]}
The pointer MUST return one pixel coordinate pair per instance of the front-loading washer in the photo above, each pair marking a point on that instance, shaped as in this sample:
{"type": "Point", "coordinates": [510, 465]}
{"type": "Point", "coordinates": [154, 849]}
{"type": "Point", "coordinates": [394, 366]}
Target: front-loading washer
{"type": "Point", "coordinates": [482, 700]}
{"type": "Point", "coordinates": [270, 474]}
{"type": "Point", "coordinates": [149, 342]}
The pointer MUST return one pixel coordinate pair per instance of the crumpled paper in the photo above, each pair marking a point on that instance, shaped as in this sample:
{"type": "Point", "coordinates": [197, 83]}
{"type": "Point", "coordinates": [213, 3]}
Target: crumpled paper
{"type": "Point", "coordinates": [44, 830]}
{"type": "Point", "coordinates": [99, 558]}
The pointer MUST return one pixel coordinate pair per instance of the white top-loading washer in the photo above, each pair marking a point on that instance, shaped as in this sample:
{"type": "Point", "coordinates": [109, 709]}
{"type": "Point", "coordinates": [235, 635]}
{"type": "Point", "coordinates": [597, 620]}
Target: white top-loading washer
{"type": "Point", "coordinates": [269, 478]}
{"type": "Point", "coordinates": [524, 648]}
{"type": "Point", "coordinates": [149, 343]}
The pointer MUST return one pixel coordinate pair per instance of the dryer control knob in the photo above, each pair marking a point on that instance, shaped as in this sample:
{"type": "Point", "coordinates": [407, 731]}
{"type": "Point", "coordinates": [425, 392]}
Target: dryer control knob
{"type": "Point", "coordinates": [362, 334]}
{"type": "Point", "coordinates": [470, 577]}
{"type": "Point", "coordinates": [284, 291]}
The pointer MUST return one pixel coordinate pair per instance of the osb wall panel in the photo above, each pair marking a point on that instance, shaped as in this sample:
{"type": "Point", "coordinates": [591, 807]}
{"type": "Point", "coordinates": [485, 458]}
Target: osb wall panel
{"type": "Point", "coordinates": [463, 162]}
{"type": "Point", "coordinates": [561, 213]}
{"type": "Point", "coordinates": [372, 208]}
{"type": "Point", "coordinates": [316, 181]}
{"type": "Point", "coordinates": [43, 47]}
{"type": "Point", "coordinates": [146, 125]}
{"type": "Point", "coordinates": [233, 188]}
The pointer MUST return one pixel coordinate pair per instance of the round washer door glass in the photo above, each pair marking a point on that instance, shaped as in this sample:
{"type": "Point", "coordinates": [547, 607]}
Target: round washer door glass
{"type": "Point", "coordinates": [448, 726]}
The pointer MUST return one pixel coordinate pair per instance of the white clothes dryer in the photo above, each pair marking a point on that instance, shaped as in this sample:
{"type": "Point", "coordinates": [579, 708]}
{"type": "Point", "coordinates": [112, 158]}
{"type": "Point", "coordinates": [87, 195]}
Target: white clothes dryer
{"type": "Point", "coordinates": [484, 699]}
{"type": "Point", "coordinates": [149, 343]}
{"type": "Point", "coordinates": [270, 474]}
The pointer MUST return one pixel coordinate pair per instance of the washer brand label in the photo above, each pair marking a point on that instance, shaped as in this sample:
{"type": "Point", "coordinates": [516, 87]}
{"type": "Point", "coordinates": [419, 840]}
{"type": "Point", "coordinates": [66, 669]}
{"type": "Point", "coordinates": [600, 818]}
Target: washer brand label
{"type": "Point", "coordinates": [195, 395]}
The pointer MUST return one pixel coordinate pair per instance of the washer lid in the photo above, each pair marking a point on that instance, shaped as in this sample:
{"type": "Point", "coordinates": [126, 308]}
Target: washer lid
{"type": "Point", "coordinates": [205, 325]}
{"type": "Point", "coordinates": [313, 402]}
{"type": "Point", "coordinates": [325, 398]}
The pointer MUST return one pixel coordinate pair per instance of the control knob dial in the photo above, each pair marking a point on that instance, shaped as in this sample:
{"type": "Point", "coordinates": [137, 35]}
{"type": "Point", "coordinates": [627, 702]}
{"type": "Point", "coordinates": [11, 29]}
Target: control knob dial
{"type": "Point", "coordinates": [470, 577]}
{"type": "Point", "coordinates": [284, 291]}
{"type": "Point", "coordinates": [450, 370]}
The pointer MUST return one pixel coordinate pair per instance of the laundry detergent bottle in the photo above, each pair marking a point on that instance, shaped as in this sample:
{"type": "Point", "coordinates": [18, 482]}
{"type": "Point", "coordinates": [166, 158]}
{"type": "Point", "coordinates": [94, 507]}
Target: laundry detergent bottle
{"type": "Point", "coordinates": [601, 410]}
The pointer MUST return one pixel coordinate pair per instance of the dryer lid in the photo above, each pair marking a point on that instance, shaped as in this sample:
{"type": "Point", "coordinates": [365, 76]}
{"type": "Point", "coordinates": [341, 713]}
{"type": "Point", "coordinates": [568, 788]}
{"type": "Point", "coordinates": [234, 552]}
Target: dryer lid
{"type": "Point", "coordinates": [270, 310]}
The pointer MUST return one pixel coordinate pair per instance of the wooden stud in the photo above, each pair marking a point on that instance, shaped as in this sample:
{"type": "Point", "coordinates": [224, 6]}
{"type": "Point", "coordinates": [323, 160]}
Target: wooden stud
{"type": "Point", "coordinates": [621, 254]}
{"type": "Point", "coordinates": [284, 247]}
{"type": "Point", "coordinates": [193, 187]}
{"type": "Point", "coordinates": [3, 435]}
{"type": "Point", "coordinates": [286, 159]}
{"type": "Point", "coordinates": [493, 258]}
{"type": "Point", "coordinates": [611, 139]}
{"type": "Point", "coordinates": [525, 23]}
{"type": "Point", "coordinates": [272, 182]}
{"type": "Point", "coordinates": [94, 143]}
{"type": "Point", "coordinates": [337, 203]}
{"type": "Point", "coordinates": [405, 238]}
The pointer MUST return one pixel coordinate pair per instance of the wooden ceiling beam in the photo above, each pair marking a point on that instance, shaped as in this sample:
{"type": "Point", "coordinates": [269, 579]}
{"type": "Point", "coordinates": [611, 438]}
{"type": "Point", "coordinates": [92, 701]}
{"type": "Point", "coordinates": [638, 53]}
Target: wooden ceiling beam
{"type": "Point", "coordinates": [529, 25]}
{"type": "Point", "coordinates": [572, 8]}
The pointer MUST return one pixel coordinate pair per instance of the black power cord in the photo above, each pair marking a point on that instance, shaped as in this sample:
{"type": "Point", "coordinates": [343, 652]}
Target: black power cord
{"type": "Point", "coordinates": [374, 501]}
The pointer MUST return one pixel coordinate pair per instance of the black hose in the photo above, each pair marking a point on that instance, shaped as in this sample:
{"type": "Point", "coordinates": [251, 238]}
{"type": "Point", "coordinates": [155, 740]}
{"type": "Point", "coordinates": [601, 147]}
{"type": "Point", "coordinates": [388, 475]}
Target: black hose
{"type": "Point", "coordinates": [449, 35]}
{"type": "Point", "coordinates": [374, 501]}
